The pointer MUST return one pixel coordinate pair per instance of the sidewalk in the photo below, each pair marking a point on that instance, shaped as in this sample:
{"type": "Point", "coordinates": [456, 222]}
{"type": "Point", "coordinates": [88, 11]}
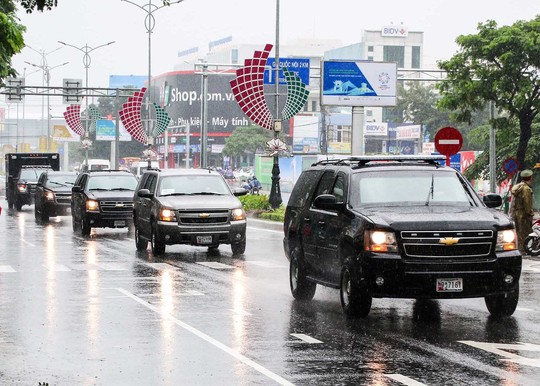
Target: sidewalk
{"type": "Point", "coordinates": [267, 224]}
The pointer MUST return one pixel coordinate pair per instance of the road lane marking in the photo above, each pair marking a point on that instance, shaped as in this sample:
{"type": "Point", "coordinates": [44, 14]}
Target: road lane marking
{"type": "Point", "coordinates": [209, 339]}
{"type": "Point", "coordinates": [57, 267]}
{"type": "Point", "coordinates": [499, 349]}
{"type": "Point", "coordinates": [306, 338]}
{"type": "Point", "coordinates": [405, 380]}
{"type": "Point", "coordinates": [160, 266]}
{"type": "Point", "coordinates": [266, 264]}
{"type": "Point", "coordinates": [216, 265]}
{"type": "Point", "coordinates": [111, 267]}
{"type": "Point", "coordinates": [179, 293]}
{"type": "Point", "coordinates": [6, 269]}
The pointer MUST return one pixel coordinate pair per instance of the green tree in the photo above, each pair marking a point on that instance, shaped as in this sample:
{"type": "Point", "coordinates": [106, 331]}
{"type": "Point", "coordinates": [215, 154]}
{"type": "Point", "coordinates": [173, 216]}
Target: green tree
{"type": "Point", "coordinates": [498, 65]}
{"type": "Point", "coordinates": [11, 39]}
{"type": "Point", "coordinates": [246, 140]}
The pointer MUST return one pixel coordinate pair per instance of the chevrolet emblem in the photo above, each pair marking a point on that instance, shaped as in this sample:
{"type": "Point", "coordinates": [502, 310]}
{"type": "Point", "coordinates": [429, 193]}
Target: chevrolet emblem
{"type": "Point", "coordinates": [204, 215]}
{"type": "Point", "coordinates": [119, 204]}
{"type": "Point", "coordinates": [448, 241]}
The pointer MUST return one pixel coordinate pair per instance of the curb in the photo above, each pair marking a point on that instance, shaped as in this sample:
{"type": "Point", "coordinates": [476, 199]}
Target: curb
{"type": "Point", "coordinates": [273, 225]}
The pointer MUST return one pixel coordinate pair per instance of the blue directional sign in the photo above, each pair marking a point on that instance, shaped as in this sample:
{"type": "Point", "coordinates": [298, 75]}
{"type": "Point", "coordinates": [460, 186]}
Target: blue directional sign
{"type": "Point", "coordinates": [300, 66]}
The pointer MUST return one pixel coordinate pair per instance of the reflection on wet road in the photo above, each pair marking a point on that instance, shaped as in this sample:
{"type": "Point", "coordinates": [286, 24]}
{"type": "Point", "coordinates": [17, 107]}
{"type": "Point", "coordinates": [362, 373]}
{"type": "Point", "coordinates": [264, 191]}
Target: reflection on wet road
{"type": "Point", "coordinates": [94, 311]}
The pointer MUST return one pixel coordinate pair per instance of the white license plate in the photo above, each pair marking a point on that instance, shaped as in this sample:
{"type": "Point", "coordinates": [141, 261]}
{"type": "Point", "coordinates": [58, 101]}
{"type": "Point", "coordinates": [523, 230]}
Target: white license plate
{"type": "Point", "coordinates": [204, 239]}
{"type": "Point", "coordinates": [449, 285]}
{"type": "Point", "coordinates": [119, 223]}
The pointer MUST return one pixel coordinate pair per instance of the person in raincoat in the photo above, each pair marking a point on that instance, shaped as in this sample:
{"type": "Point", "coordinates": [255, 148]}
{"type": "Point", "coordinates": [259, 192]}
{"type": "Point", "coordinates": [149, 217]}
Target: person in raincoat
{"type": "Point", "coordinates": [522, 210]}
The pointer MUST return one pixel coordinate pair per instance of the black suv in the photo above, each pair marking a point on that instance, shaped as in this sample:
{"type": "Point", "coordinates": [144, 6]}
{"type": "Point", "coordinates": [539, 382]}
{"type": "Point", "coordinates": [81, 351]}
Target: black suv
{"type": "Point", "coordinates": [188, 206]}
{"type": "Point", "coordinates": [398, 227]}
{"type": "Point", "coordinates": [26, 185]}
{"type": "Point", "coordinates": [53, 194]}
{"type": "Point", "coordinates": [102, 199]}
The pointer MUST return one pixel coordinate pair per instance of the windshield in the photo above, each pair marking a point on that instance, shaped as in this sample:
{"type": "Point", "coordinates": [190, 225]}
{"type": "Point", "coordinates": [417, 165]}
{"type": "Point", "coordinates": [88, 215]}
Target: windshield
{"type": "Point", "coordinates": [30, 174]}
{"type": "Point", "coordinates": [112, 182]}
{"type": "Point", "coordinates": [390, 188]}
{"type": "Point", "coordinates": [61, 179]}
{"type": "Point", "coordinates": [193, 184]}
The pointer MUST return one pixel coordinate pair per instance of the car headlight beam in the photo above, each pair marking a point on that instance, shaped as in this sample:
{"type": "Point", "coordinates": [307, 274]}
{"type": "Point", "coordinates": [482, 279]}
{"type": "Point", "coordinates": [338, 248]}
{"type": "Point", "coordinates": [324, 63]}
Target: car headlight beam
{"type": "Point", "coordinates": [506, 240]}
{"type": "Point", "coordinates": [380, 241]}
{"type": "Point", "coordinates": [238, 214]}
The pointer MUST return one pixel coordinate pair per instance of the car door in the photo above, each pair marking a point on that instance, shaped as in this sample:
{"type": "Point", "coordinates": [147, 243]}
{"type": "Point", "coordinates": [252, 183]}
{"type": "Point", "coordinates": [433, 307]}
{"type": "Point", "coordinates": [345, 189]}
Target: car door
{"type": "Point", "coordinates": [77, 199]}
{"type": "Point", "coordinates": [40, 193]}
{"type": "Point", "coordinates": [144, 204]}
{"type": "Point", "coordinates": [330, 229]}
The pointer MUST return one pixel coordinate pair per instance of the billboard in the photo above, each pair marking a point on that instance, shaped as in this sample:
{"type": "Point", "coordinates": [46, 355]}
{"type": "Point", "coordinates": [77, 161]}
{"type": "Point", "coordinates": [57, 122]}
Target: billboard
{"type": "Point", "coordinates": [106, 131]}
{"type": "Point", "coordinates": [300, 66]}
{"type": "Point", "coordinates": [358, 83]}
{"type": "Point", "coordinates": [306, 134]}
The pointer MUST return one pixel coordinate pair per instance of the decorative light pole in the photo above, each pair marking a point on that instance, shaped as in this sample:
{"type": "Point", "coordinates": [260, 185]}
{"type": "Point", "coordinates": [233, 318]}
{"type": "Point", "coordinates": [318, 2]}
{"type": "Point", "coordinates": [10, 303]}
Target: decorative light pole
{"type": "Point", "coordinates": [87, 60]}
{"type": "Point", "coordinates": [149, 23]}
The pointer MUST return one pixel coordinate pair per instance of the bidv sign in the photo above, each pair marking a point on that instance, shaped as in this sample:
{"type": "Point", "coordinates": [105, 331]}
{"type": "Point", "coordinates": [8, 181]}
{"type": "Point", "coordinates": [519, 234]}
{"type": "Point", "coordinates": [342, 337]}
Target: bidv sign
{"type": "Point", "coordinates": [395, 31]}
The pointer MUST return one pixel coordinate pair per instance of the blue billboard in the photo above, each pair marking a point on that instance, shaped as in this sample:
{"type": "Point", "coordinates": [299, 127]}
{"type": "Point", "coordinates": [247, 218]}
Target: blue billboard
{"type": "Point", "coordinates": [299, 66]}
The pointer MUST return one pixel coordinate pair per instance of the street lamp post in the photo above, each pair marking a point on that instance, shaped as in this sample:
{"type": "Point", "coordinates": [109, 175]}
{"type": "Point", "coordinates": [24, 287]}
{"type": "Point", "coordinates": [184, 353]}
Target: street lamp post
{"type": "Point", "coordinates": [45, 81]}
{"type": "Point", "coordinates": [87, 60]}
{"type": "Point", "coordinates": [275, 191]}
{"type": "Point", "coordinates": [149, 23]}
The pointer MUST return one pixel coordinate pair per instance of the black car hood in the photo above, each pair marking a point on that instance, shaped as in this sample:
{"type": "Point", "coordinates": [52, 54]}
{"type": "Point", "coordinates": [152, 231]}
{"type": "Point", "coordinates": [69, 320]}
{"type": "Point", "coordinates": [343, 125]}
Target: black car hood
{"type": "Point", "coordinates": [202, 202]}
{"type": "Point", "coordinates": [112, 195]}
{"type": "Point", "coordinates": [436, 217]}
{"type": "Point", "coordinates": [60, 189]}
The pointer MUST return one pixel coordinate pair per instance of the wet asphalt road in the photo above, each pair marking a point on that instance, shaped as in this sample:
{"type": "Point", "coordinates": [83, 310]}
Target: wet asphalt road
{"type": "Point", "coordinates": [94, 311]}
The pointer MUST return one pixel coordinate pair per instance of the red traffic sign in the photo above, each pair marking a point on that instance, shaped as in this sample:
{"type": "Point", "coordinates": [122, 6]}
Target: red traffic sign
{"type": "Point", "coordinates": [448, 141]}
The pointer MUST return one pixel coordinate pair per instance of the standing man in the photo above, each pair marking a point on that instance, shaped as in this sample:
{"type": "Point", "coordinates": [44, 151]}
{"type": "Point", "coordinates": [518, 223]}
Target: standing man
{"type": "Point", "coordinates": [522, 212]}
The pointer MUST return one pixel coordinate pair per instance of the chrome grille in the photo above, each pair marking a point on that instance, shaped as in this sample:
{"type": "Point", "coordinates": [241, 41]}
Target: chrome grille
{"type": "Point", "coordinates": [63, 198]}
{"type": "Point", "coordinates": [116, 206]}
{"type": "Point", "coordinates": [459, 244]}
{"type": "Point", "coordinates": [203, 218]}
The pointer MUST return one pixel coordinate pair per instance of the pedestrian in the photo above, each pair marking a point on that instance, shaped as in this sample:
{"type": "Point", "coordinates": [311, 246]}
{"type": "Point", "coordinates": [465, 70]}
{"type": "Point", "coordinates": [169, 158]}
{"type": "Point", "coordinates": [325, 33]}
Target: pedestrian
{"type": "Point", "coordinates": [255, 185]}
{"type": "Point", "coordinates": [521, 207]}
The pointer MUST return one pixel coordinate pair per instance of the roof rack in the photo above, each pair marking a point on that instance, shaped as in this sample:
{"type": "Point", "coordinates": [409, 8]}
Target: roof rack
{"type": "Point", "coordinates": [363, 160]}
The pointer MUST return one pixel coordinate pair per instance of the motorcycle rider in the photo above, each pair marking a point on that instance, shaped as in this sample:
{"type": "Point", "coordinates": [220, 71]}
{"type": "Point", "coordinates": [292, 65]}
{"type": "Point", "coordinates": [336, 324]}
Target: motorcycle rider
{"type": "Point", "coordinates": [522, 210]}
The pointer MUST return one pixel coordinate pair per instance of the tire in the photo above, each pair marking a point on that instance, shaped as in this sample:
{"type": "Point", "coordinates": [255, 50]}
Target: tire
{"type": "Point", "coordinates": [213, 248]}
{"type": "Point", "coordinates": [85, 227]}
{"type": "Point", "coordinates": [355, 297]}
{"type": "Point", "coordinates": [75, 225]}
{"type": "Point", "coordinates": [301, 287]}
{"type": "Point", "coordinates": [158, 246]}
{"type": "Point", "coordinates": [238, 248]}
{"type": "Point", "coordinates": [44, 216]}
{"type": "Point", "coordinates": [18, 206]}
{"type": "Point", "coordinates": [140, 243]}
{"type": "Point", "coordinates": [503, 304]}
{"type": "Point", "coordinates": [532, 245]}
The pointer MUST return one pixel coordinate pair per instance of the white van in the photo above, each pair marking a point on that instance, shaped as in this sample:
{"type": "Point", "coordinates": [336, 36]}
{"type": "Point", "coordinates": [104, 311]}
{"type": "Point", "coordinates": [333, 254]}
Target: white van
{"type": "Point", "coordinates": [96, 164]}
{"type": "Point", "coordinates": [138, 168]}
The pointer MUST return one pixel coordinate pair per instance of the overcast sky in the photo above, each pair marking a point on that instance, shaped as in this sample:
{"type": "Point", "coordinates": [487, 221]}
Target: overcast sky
{"type": "Point", "coordinates": [197, 22]}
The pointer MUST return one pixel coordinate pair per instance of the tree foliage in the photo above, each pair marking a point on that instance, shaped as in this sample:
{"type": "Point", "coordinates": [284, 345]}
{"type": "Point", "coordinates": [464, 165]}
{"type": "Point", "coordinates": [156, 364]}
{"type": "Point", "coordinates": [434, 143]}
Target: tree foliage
{"type": "Point", "coordinates": [246, 140]}
{"type": "Point", "coordinates": [11, 39]}
{"type": "Point", "coordinates": [498, 65]}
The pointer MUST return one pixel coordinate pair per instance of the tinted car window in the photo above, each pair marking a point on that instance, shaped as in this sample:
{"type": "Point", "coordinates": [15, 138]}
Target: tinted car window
{"type": "Point", "coordinates": [327, 181]}
{"type": "Point", "coordinates": [111, 182]}
{"type": "Point", "coordinates": [193, 185]}
{"type": "Point", "coordinates": [300, 195]}
{"type": "Point", "coordinates": [416, 187]}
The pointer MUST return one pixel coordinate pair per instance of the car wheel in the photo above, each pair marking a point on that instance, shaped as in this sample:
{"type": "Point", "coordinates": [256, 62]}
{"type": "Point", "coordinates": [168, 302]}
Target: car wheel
{"type": "Point", "coordinates": [85, 227]}
{"type": "Point", "coordinates": [158, 246]}
{"type": "Point", "coordinates": [238, 248]}
{"type": "Point", "coordinates": [503, 304]}
{"type": "Point", "coordinates": [140, 243]}
{"type": "Point", "coordinates": [213, 248]}
{"type": "Point", "coordinates": [532, 245]}
{"type": "Point", "coordinates": [18, 206]}
{"type": "Point", "coordinates": [355, 297]}
{"type": "Point", "coordinates": [301, 287]}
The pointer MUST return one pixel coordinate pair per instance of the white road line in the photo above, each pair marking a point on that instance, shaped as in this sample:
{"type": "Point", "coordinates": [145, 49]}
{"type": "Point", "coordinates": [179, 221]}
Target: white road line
{"type": "Point", "coordinates": [6, 269]}
{"type": "Point", "coordinates": [111, 267]}
{"type": "Point", "coordinates": [266, 264]}
{"type": "Point", "coordinates": [306, 338]}
{"type": "Point", "coordinates": [160, 266]}
{"type": "Point", "coordinates": [27, 243]}
{"type": "Point", "coordinates": [178, 293]}
{"type": "Point", "coordinates": [216, 265]}
{"type": "Point", "coordinates": [403, 379]}
{"type": "Point", "coordinates": [524, 309]}
{"type": "Point", "coordinates": [209, 339]}
{"type": "Point", "coordinates": [57, 267]}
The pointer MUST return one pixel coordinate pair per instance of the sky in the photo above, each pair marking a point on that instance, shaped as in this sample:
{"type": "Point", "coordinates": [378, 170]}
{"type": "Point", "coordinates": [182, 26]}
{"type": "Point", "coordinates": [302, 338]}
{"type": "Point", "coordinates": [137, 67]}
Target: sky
{"type": "Point", "coordinates": [194, 23]}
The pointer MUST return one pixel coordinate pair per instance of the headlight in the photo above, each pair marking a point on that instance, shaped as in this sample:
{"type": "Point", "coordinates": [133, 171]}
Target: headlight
{"type": "Point", "coordinates": [21, 187]}
{"type": "Point", "coordinates": [166, 214]}
{"type": "Point", "coordinates": [49, 196]}
{"type": "Point", "coordinates": [380, 241]}
{"type": "Point", "coordinates": [506, 240]}
{"type": "Point", "coordinates": [92, 206]}
{"type": "Point", "coordinates": [238, 214]}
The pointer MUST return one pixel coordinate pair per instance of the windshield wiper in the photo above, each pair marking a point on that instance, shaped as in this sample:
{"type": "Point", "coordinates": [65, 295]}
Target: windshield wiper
{"type": "Point", "coordinates": [122, 189]}
{"type": "Point", "coordinates": [100, 189]}
{"type": "Point", "coordinates": [430, 191]}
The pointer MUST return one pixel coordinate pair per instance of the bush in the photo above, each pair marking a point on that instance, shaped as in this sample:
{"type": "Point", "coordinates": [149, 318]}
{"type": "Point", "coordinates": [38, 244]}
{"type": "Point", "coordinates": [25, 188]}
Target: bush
{"type": "Point", "coordinates": [255, 202]}
{"type": "Point", "coordinates": [274, 215]}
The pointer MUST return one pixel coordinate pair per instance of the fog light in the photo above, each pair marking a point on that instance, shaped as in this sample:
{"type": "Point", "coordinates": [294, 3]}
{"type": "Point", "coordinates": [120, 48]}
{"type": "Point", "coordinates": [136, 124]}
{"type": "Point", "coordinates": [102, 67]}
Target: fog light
{"type": "Point", "coordinates": [167, 237]}
{"type": "Point", "coordinates": [238, 236]}
{"type": "Point", "coordinates": [508, 279]}
{"type": "Point", "coordinates": [379, 281]}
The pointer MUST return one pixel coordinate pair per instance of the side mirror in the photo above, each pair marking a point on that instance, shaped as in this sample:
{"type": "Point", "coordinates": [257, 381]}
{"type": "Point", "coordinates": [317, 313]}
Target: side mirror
{"type": "Point", "coordinates": [145, 193]}
{"type": "Point", "coordinates": [240, 191]}
{"type": "Point", "coordinates": [492, 200]}
{"type": "Point", "coordinates": [327, 201]}
{"type": "Point", "coordinates": [76, 189]}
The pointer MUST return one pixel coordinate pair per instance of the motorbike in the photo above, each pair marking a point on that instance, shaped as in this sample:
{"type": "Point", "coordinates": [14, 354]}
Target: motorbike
{"type": "Point", "coordinates": [532, 241]}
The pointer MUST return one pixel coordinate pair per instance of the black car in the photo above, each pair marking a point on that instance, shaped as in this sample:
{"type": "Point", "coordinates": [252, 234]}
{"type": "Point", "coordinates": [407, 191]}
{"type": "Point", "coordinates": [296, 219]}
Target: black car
{"type": "Point", "coordinates": [53, 194]}
{"type": "Point", "coordinates": [26, 185]}
{"type": "Point", "coordinates": [102, 199]}
{"type": "Point", "coordinates": [398, 227]}
{"type": "Point", "coordinates": [188, 206]}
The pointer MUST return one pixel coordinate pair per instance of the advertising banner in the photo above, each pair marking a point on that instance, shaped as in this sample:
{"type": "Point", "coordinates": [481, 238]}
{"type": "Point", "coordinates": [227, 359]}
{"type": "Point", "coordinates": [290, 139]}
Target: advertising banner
{"type": "Point", "coordinates": [299, 66]}
{"type": "Point", "coordinates": [362, 83]}
{"type": "Point", "coordinates": [376, 129]}
{"type": "Point", "coordinates": [306, 134]}
{"type": "Point", "coordinates": [408, 132]}
{"type": "Point", "coordinates": [106, 131]}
